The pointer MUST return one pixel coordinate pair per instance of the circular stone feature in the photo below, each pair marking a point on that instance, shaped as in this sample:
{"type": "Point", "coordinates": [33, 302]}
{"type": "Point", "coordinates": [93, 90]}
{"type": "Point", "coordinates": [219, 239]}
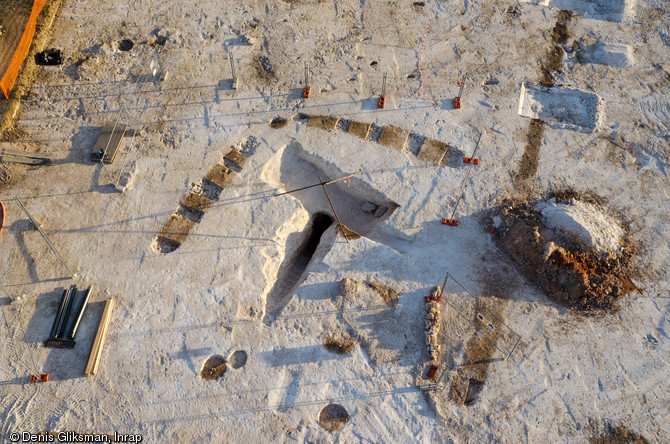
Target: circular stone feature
{"type": "Point", "coordinates": [126, 45]}
{"type": "Point", "coordinates": [237, 359]}
{"type": "Point", "coordinates": [214, 368]}
{"type": "Point", "coordinates": [333, 417]}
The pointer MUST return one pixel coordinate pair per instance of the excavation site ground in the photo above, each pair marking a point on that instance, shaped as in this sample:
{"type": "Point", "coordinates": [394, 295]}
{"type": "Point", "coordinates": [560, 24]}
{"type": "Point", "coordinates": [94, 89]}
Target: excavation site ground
{"type": "Point", "coordinates": [337, 221]}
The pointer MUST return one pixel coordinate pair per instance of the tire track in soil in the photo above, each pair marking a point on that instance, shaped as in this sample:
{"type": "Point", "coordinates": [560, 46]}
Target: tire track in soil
{"type": "Point", "coordinates": [551, 63]}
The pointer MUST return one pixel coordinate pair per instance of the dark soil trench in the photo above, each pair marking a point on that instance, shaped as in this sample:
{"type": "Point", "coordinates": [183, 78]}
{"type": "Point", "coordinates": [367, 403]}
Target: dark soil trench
{"type": "Point", "coordinates": [551, 64]}
{"type": "Point", "coordinates": [293, 271]}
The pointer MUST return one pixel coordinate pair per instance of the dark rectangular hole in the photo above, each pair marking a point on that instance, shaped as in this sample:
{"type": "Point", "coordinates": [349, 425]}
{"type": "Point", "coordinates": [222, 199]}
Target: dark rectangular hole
{"type": "Point", "coordinates": [192, 215]}
{"type": "Point", "coordinates": [415, 142]}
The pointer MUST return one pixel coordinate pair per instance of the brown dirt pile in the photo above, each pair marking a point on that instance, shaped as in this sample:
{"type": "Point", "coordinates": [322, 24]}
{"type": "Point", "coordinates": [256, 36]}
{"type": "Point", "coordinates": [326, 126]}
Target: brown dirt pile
{"type": "Point", "coordinates": [571, 274]}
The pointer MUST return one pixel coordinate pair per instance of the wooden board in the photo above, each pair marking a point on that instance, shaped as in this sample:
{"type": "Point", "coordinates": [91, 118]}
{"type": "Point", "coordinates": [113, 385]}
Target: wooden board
{"type": "Point", "coordinates": [235, 157]}
{"type": "Point", "coordinates": [360, 129]}
{"type": "Point", "coordinates": [109, 140]}
{"type": "Point", "coordinates": [96, 348]}
{"type": "Point", "coordinates": [176, 228]}
{"type": "Point", "coordinates": [220, 175]}
{"type": "Point", "coordinates": [394, 137]}
{"type": "Point", "coordinates": [196, 202]}
{"type": "Point", "coordinates": [432, 151]}
{"type": "Point", "coordinates": [325, 122]}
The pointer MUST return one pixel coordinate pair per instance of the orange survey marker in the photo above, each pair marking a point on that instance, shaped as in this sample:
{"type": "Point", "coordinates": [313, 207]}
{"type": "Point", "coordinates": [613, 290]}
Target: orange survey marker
{"type": "Point", "coordinates": [42, 377]}
{"type": "Point", "coordinates": [450, 222]}
{"type": "Point", "coordinates": [457, 99]}
{"type": "Point", "coordinates": [471, 160]}
{"type": "Point", "coordinates": [382, 96]}
{"type": "Point", "coordinates": [306, 92]}
{"type": "Point", "coordinates": [437, 298]}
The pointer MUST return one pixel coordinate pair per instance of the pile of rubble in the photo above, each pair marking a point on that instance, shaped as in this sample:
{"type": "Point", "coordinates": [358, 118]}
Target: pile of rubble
{"type": "Point", "coordinates": [569, 246]}
{"type": "Point", "coordinates": [432, 323]}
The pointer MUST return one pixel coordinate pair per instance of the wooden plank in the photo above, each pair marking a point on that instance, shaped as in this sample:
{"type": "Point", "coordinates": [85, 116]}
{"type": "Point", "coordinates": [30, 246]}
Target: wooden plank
{"type": "Point", "coordinates": [325, 122]}
{"type": "Point", "coordinates": [220, 175]}
{"type": "Point", "coordinates": [360, 129]}
{"type": "Point", "coordinates": [96, 348]}
{"type": "Point", "coordinates": [432, 151]}
{"type": "Point", "coordinates": [394, 137]}
{"type": "Point", "coordinates": [196, 202]}
{"type": "Point", "coordinates": [109, 140]}
{"type": "Point", "coordinates": [176, 228]}
{"type": "Point", "coordinates": [235, 157]}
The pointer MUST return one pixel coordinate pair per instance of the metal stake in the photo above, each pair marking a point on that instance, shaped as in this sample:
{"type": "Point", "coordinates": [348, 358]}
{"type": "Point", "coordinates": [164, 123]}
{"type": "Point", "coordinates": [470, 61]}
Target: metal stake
{"type": "Point", "coordinates": [383, 94]}
{"type": "Point", "coordinates": [306, 75]}
{"type": "Point", "coordinates": [81, 312]}
{"type": "Point", "coordinates": [46, 238]}
{"type": "Point", "coordinates": [460, 91]}
{"type": "Point", "coordinates": [466, 177]}
{"type": "Point", "coordinates": [317, 184]}
{"type": "Point", "coordinates": [332, 207]}
{"type": "Point", "coordinates": [63, 312]}
{"type": "Point", "coordinates": [232, 68]}
{"type": "Point", "coordinates": [444, 285]}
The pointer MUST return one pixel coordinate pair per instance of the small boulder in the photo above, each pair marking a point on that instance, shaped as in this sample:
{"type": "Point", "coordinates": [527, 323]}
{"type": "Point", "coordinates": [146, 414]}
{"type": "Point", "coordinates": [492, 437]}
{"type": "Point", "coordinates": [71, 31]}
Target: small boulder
{"type": "Point", "coordinates": [381, 211]}
{"type": "Point", "coordinates": [369, 207]}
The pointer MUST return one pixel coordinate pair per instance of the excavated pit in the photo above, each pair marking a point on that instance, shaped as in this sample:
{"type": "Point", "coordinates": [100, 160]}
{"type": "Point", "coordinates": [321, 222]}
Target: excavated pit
{"type": "Point", "coordinates": [237, 359]}
{"type": "Point", "coordinates": [579, 254]}
{"type": "Point", "coordinates": [214, 368]}
{"type": "Point", "coordinates": [361, 211]}
{"type": "Point", "coordinates": [333, 417]}
{"type": "Point", "coordinates": [292, 272]}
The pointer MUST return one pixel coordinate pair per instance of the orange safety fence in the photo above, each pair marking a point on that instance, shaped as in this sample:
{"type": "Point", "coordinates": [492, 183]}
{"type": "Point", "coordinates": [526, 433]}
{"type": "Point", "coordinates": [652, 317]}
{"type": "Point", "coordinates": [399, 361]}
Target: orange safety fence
{"type": "Point", "coordinates": [8, 79]}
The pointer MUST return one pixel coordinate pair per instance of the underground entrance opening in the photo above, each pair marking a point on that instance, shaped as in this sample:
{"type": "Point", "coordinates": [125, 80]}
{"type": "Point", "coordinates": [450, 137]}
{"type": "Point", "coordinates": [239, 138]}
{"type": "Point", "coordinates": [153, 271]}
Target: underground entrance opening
{"type": "Point", "coordinates": [322, 222]}
{"type": "Point", "coordinates": [126, 45]}
{"type": "Point", "coordinates": [292, 271]}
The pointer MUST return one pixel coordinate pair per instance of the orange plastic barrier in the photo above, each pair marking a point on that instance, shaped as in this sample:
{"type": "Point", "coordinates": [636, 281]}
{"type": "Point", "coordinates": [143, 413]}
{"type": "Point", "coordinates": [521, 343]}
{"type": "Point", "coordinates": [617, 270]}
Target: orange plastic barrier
{"type": "Point", "coordinates": [8, 79]}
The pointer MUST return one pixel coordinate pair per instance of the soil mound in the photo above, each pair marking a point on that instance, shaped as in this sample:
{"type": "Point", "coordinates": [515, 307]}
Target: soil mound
{"type": "Point", "coordinates": [579, 254]}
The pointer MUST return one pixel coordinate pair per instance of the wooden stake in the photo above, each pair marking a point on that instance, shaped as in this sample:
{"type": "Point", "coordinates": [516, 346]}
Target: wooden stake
{"type": "Point", "coordinates": [333, 208]}
{"type": "Point", "coordinates": [317, 184]}
{"type": "Point", "coordinates": [232, 68]}
{"type": "Point", "coordinates": [96, 348]}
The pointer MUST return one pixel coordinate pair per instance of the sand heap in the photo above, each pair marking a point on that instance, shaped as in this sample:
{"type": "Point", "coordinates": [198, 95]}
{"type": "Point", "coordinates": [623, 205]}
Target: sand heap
{"type": "Point", "coordinates": [570, 247]}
